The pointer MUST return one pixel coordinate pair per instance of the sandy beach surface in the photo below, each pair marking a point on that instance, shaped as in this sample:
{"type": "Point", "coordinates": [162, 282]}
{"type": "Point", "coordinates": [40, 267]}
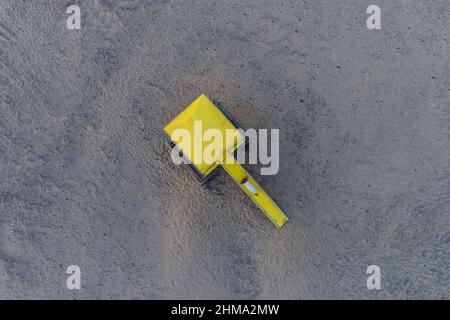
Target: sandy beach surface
{"type": "Point", "coordinates": [86, 177]}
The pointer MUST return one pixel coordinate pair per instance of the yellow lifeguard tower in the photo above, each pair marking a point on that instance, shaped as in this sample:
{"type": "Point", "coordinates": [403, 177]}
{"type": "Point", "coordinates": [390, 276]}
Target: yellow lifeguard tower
{"type": "Point", "coordinates": [203, 115]}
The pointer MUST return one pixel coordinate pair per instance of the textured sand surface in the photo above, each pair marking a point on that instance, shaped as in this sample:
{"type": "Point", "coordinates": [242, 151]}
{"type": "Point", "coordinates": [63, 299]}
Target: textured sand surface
{"type": "Point", "coordinates": [86, 177]}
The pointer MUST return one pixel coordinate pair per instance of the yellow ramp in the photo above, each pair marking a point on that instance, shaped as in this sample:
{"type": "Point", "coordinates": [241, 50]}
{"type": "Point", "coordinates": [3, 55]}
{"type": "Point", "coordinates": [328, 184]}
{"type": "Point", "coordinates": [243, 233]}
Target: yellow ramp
{"type": "Point", "coordinates": [254, 191]}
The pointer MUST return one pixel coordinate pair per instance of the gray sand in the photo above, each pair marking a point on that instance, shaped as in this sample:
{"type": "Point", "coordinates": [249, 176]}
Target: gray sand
{"type": "Point", "coordinates": [86, 177]}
